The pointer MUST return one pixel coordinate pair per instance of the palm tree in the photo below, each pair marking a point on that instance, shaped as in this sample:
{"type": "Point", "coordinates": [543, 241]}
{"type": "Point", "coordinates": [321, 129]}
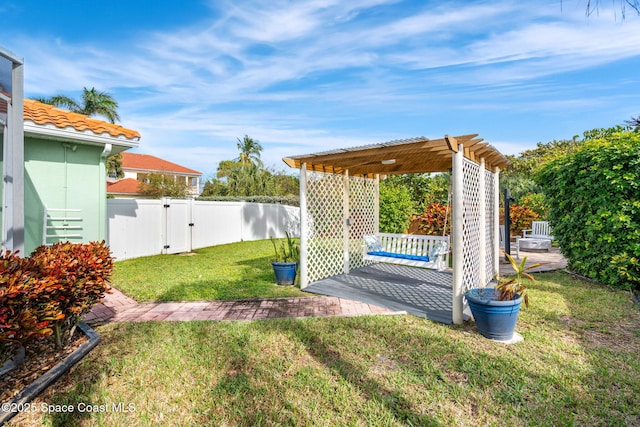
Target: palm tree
{"type": "Point", "coordinates": [93, 103]}
{"type": "Point", "coordinates": [249, 152]}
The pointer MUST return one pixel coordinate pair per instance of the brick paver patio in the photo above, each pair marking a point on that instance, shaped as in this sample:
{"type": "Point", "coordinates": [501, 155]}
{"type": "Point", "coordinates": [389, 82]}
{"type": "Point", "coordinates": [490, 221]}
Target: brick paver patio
{"type": "Point", "coordinates": [117, 307]}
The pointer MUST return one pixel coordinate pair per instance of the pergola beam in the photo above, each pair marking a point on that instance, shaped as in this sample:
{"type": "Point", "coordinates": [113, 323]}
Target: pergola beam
{"type": "Point", "coordinates": [405, 153]}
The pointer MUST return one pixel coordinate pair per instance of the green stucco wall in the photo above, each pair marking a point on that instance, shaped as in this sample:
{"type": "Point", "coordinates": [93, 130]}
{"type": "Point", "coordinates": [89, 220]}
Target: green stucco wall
{"type": "Point", "coordinates": [61, 178]}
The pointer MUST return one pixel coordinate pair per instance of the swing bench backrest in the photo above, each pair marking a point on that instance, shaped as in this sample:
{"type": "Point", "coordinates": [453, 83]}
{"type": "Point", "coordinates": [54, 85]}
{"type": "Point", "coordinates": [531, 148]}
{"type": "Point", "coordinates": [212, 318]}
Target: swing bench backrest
{"type": "Point", "coordinates": [408, 249]}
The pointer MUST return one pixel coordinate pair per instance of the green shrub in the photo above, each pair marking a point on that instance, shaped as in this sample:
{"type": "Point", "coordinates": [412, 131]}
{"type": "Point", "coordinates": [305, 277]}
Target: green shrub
{"type": "Point", "coordinates": [396, 207]}
{"type": "Point", "coordinates": [49, 293]}
{"type": "Point", "coordinates": [521, 218]}
{"type": "Point", "coordinates": [538, 203]}
{"type": "Point", "coordinates": [594, 195]}
{"type": "Point", "coordinates": [73, 277]}
{"type": "Point", "coordinates": [282, 200]}
{"type": "Point", "coordinates": [22, 317]}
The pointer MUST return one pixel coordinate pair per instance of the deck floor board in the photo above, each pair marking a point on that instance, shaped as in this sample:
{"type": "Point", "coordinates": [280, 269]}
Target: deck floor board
{"type": "Point", "coordinates": [418, 291]}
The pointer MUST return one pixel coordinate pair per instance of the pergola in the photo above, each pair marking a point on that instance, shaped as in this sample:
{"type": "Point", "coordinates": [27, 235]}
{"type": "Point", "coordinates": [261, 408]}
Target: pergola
{"type": "Point", "coordinates": [339, 204]}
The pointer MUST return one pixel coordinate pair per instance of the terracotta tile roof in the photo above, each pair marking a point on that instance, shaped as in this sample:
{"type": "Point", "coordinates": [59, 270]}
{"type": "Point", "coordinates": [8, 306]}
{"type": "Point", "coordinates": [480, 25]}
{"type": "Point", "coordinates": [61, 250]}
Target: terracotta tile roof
{"type": "Point", "coordinates": [124, 186]}
{"type": "Point", "coordinates": [43, 114]}
{"type": "Point", "coordinates": [148, 162]}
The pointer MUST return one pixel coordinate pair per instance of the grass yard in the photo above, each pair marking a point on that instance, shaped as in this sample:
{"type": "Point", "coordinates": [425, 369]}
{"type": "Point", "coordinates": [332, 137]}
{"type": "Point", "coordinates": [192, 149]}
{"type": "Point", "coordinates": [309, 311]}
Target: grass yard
{"type": "Point", "coordinates": [579, 365]}
{"type": "Point", "coordinates": [224, 272]}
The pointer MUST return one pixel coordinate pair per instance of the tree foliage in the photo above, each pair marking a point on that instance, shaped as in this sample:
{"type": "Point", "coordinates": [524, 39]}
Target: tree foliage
{"type": "Point", "coordinates": [396, 207]}
{"type": "Point", "coordinates": [518, 177]}
{"type": "Point", "coordinates": [593, 6]}
{"type": "Point", "coordinates": [114, 166]}
{"type": "Point", "coordinates": [240, 181]}
{"type": "Point", "coordinates": [93, 103]}
{"type": "Point", "coordinates": [595, 207]}
{"type": "Point", "coordinates": [250, 150]}
{"type": "Point", "coordinates": [634, 122]}
{"type": "Point", "coordinates": [424, 188]}
{"type": "Point", "coordinates": [158, 185]}
{"type": "Point", "coordinates": [246, 176]}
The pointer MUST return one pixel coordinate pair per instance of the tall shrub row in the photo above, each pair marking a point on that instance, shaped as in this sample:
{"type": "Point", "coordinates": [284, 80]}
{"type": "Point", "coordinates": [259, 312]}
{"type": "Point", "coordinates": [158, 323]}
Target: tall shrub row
{"type": "Point", "coordinates": [48, 293]}
{"type": "Point", "coordinates": [595, 208]}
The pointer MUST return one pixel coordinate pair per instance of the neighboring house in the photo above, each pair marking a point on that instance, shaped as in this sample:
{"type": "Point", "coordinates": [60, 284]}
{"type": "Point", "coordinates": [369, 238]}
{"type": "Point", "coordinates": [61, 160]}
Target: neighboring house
{"type": "Point", "coordinates": [137, 168]}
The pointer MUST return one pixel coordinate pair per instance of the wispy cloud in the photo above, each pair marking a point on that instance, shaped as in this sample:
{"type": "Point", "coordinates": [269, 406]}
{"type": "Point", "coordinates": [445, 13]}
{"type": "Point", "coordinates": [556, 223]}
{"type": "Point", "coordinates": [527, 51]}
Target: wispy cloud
{"type": "Point", "coordinates": [301, 75]}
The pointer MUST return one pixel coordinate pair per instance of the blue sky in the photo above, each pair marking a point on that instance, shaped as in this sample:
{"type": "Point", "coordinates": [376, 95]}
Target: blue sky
{"type": "Point", "coordinates": [306, 76]}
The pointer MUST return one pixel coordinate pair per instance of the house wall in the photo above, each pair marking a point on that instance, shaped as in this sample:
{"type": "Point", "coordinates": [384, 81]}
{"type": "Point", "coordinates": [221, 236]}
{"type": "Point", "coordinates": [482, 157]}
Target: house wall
{"type": "Point", "coordinates": [58, 177]}
{"type": "Point", "coordinates": [129, 174]}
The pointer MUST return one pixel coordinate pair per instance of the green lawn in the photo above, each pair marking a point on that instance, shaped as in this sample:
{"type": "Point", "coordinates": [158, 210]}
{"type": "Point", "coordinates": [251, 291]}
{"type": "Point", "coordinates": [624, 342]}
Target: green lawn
{"type": "Point", "coordinates": [579, 365]}
{"type": "Point", "coordinates": [224, 272]}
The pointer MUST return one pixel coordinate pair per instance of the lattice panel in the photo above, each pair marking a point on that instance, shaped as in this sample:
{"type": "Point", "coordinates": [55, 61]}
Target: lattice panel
{"type": "Point", "coordinates": [489, 181]}
{"type": "Point", "coordinates": [362, 199]}
{"type": "Point", "coordinates": [325, 219]}
{"type": "Point", "coordinates": [471, 225]}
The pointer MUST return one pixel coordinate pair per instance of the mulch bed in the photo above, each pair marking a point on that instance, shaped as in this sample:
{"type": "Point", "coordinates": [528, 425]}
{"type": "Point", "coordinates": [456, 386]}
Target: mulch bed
{"type": "Point", "coordinates": [40, 356]}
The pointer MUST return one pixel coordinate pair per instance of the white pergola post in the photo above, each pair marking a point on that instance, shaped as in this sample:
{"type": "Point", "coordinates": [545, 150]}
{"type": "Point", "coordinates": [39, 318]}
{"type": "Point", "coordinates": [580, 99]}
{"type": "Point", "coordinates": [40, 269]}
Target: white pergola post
{"type": "Point", "coordinates": [496, 221]}
{"type": "Point", "coordinates": [345, 221]}
{"type": "Point", "coordinates": [456, 231]}
{"type": "Point", "coordinates": [304, 227]}
{"type": "Point", "coordinates": [482, 235]}
{"type": "Point", "coordinates": [376, 206]}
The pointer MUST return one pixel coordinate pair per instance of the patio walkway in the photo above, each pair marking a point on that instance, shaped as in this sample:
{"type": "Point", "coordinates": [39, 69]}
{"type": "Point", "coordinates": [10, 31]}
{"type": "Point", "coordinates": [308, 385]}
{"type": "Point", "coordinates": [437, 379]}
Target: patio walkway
{"type": "Point", "coordinates": [117, 307]}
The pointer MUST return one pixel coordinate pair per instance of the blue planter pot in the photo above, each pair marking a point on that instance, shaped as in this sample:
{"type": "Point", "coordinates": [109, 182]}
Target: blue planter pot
{"type": "Point", "coordinates": [494, 319]}
{"type": "Point", "coordinates": [285, 272]}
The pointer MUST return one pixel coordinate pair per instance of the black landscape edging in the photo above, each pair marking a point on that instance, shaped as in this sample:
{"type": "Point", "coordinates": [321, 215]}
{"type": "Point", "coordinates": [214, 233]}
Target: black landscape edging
{"type": "Point", "coordinates": [46, 379]}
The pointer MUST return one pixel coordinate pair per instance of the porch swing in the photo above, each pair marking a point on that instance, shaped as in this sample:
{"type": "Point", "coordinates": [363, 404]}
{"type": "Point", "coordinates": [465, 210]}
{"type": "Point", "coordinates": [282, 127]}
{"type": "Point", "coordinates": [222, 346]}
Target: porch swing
{"type": "Point", "coordinates": [430, 252]}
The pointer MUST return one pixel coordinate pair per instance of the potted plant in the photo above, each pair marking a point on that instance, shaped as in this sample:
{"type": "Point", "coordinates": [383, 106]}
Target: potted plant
{"type": "Point", "coordinates": [495, 310]}
{"type": "Point", "coordinates": [285, 263]}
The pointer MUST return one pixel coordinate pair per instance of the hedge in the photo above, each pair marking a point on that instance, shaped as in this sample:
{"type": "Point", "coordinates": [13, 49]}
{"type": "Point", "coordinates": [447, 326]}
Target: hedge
{"type": "Point", "coordinates": [282, 200]}
{"type": "Point", "coordinates": [594, 196]}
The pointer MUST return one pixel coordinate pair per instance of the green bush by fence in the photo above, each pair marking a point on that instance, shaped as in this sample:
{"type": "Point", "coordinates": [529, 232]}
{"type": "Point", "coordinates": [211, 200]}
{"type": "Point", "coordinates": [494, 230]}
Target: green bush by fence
{"type": "Point", "coordinates": [282, 200]}
{"type": "Point", "coordinates": [595, 208]}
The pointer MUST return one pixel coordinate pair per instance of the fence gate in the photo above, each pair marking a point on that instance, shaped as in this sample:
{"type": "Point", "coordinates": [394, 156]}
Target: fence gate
{"type": "Point", "coordinates": [178, 224]}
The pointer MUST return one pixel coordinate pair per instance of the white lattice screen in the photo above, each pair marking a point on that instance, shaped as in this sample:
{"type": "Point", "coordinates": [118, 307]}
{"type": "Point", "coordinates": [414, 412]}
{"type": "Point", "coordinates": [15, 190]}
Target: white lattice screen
{"type": "Point", "coordinates": [324, 218]}
{"type": "Point", "coordinates": [326, 195]}
{"type": "Point", "coordinates": [489, 182]}
{"type": "Point", "coordinates": [362, 216]}
{"type": "Point", "coordinates": [471, 224]}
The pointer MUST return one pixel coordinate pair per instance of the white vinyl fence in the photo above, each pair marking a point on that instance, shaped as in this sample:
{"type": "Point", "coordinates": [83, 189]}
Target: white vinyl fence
{"type": "Point", "coordinates": [142, 227]}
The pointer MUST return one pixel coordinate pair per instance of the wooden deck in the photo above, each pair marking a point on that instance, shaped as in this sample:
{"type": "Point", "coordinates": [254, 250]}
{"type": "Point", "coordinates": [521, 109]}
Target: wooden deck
{"type": "Point", "coordinates": [418, 291]}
